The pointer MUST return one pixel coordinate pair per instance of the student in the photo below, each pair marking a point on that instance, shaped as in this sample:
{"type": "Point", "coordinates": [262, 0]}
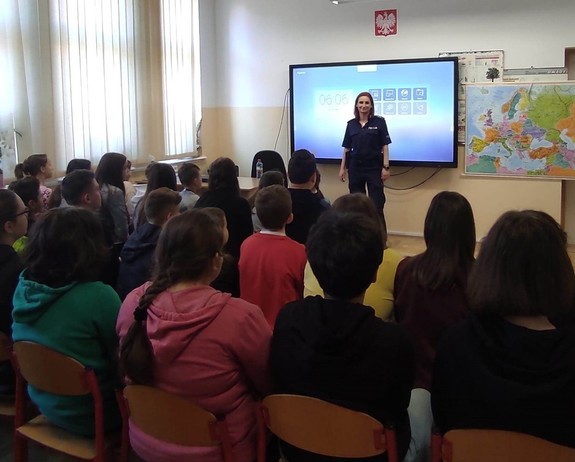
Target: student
{"type": "Point", "coordinates": [430, 297]}
{"type": "Point", "coordinates": [335, 348]}
{"type": "Point", "coordinates": [159, 175]}
{"type": "Point", "coordinates": [306, 206]}
{"type": "Point", "coordinates": [271, 264]}
{"type": "Point", "coordinates": [110, 178]}
{"type": "Point", "coordinates": [13, 225]}
{"type": "Point", "coordinates": [37, 166]}
{"type": "Point", "coordinates": [129, 188]}
{"type": "Point", "coordinates": [268, 178]}
{"type": "Point", "coordinates": [379, 294]}
{"type": "Point", "coordinates": [224, 193]}
{"type": "Point", "coordinates": [80, 188]}
{"type": "Point", "coordinates": [28, 189]}
{"type": "Point", "coordinates": [509, 366]}
{"type": "Point", "coordinates": [180, 335]}
{"type": "Point", "coordinates": [60, 304]}
{"type": "Point", "coordinates": [137, 255]}
{"type": "Point", "coordinates": [191, 179]}
{"type": "Point", "coordinates": [56, 199]}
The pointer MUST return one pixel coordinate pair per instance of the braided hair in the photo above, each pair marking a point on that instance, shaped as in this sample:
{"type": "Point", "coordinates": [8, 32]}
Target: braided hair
{"type": "Point", "coordinates": [185, 250]}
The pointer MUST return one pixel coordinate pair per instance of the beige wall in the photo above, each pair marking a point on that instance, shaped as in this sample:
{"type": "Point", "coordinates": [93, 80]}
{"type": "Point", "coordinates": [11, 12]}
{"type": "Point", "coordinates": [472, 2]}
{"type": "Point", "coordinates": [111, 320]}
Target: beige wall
{"type": "Point", "coordinates": [237, 133]}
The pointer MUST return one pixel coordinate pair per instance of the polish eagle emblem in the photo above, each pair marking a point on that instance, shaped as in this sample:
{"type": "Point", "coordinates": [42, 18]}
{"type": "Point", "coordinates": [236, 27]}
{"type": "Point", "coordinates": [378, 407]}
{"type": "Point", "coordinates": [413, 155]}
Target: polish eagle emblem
{"type": "Point", "coordinates": [385, 23]}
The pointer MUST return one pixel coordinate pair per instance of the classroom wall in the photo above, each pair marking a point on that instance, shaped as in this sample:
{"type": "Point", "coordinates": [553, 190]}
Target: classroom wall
{"type": "Point", "coordinates": [250, 44]}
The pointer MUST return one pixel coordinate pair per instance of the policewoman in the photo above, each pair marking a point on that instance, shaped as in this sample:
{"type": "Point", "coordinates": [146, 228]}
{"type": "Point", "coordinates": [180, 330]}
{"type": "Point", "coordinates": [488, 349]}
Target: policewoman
{"type": "Point", "coordinates": [365, 156]}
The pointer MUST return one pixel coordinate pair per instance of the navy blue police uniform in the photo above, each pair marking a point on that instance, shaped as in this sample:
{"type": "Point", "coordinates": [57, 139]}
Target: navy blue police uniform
{"type": "Point", "coordinates": [364, 159]}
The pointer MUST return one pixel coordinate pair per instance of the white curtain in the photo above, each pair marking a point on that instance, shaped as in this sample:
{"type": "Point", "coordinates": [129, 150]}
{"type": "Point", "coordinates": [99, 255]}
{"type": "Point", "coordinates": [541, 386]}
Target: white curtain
{"type": "Point", "coordinates": [95, 77]}
{"type": "Point", "coordinates": [83, 77]}
{"type": "Point", "coordinates": [20, 104]}
{"type": "Point", "coordinates": [179, 65]}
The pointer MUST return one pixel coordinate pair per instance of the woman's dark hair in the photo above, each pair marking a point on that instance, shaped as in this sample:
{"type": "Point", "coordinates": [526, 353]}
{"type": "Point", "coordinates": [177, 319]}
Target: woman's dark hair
{"type": "Point", "coordinates": [344, 251]}
{"type": "Point", "coordinates": [66, 245]}
{"type": "Point", "coordinates": [159, 176]}
{"type": "Point", "coordinates": [186, 248]}
{"type": "Point", "coordinates": [449, 233]}
{"type": "Point", "coordinates": [110, 170]}
{"type": "Point", "coordinates": [28, 188]}
{"type": "Point", "coordinates": [356, 111]}
{"type": "Point", "coordinates": [8, 207]}
{"type": "Point", "coordinates": [523, 269]}
{"type": "Point", "coordinates": [78, 164]}
{"type": "Point", "coordinates": [223, 175]}
{"type": "Point", "coordinates": [360, 203]}
{"type": "Point", "coordinates": [31, 166]}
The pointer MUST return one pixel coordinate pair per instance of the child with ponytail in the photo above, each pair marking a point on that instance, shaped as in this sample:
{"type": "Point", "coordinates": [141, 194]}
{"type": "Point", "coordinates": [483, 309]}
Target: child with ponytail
{"type": "Point", "coordinates": [180, 335]}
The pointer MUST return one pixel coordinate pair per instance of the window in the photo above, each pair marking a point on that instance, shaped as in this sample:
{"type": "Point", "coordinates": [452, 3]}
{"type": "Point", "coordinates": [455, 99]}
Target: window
{"type": "Point", "coordinates": [115, 75]}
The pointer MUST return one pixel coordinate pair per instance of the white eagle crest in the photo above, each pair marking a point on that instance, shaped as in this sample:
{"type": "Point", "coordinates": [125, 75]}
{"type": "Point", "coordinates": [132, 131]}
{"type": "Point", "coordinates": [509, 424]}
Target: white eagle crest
{"type": "Point", "coordinates": [385, 23]}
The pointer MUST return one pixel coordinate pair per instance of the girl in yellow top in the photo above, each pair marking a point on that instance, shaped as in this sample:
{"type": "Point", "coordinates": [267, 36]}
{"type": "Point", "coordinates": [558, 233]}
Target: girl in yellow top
{"type": "Point", "coordinates": [379, 294]}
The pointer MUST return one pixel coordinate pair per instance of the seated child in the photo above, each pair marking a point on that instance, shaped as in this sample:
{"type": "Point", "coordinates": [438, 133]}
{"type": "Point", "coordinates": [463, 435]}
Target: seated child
{"type": "Point", "coordinates": [268, 178]}
{"type": "Point", "coordinates": [137, 254]}
{"type": "Point", "coordinates": [60, 304]}
{"type": "Point", "coordinates": [180, 335]}
{"type": "Point", "coordinates": [335, 348]}
{"type": "Point", "coordinates": [191, 179]}
{"type": "Point", "coordinates": [28, 188]}
{"type": "Point", "coordinates": [271, 264]}
{"type": "Point", "coordinates": [13, 225]}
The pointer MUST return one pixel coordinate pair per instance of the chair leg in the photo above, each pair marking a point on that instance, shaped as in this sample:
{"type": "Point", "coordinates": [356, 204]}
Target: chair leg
{"type": "Point", "coordinates": [20, 448]}
{"type": "Point", "coordinates": [436, 442]}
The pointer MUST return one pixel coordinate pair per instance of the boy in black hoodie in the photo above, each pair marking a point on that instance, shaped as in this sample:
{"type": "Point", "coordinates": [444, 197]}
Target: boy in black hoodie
{"type": "Point", "coordinates": [335, 348]}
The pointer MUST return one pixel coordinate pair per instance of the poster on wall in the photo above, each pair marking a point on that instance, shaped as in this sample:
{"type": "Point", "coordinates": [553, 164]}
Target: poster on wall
{"type": "Point", "coordinates": [385, 22]}
{"type": "Point", "coordinates": [474, 67]}
{"type": "Point", "coordinates": [521, 129]}
{"type": "Point", "coordinates": [536, 74]}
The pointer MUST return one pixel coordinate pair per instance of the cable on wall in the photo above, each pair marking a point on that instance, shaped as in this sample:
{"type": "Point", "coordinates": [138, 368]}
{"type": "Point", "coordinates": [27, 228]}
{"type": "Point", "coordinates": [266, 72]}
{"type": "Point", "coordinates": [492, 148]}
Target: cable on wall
{"type": "Point", "coordinates": [284, 107]}
{"type": "Point", "coordinates": [416, 185]}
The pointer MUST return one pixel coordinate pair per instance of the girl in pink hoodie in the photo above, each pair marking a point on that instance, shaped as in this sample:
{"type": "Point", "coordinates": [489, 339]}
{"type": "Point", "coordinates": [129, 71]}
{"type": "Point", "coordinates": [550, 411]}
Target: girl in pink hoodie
{"type": "Point", "coordinates": [203, 345]}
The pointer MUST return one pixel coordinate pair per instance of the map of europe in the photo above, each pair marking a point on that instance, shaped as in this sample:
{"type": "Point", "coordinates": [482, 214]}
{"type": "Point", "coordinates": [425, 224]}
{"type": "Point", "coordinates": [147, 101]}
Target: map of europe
{"type": "Point", "coordinates": [521, 130]}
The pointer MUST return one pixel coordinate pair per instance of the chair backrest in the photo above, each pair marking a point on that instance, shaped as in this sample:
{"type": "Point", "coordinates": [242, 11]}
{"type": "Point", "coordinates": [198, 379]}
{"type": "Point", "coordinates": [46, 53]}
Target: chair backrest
{"type": "Point", "coordinates": [174, 419]}
{"type": "Point", "coordinates": [50, 371]}
{"type": "Point", "coordinates": [473, 445]}
{"type": "Point", "coordinates": [324, 428]}
{"type": "Point", "coordinates": [272, 160]}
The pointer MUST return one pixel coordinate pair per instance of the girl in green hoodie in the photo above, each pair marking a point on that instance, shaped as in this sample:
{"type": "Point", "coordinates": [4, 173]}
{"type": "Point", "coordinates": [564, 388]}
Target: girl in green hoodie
{"type": "Point", "coordinates": [59, 303]}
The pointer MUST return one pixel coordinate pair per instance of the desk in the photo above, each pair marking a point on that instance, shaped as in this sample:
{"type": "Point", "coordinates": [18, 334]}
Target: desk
{"type": "Point", "coordinates": [248, 186]}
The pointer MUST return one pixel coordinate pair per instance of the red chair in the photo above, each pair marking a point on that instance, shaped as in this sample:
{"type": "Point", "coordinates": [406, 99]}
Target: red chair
{"type": "Point", "coordinates": [171, 418]}
{"type": "Point", "coordinates": [53, 372]}
{"type": "Point", "coordinates": [473, 445]}
{"type": "Point", "coordinates": [324, 428]}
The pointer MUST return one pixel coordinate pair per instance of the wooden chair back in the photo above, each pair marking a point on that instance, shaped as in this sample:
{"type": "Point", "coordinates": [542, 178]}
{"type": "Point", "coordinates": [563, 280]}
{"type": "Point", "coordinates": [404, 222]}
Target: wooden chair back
{"type": "Point", "coordinates": [50, 371]}
{"type": "Point", "coordinates": [327, 429]}
{"type": "Point", "coordinates": [56, 373]}
{"type": "Point", "coordinates": [473, 445]}
{"type": "Point", "coordinates": [174, 419]}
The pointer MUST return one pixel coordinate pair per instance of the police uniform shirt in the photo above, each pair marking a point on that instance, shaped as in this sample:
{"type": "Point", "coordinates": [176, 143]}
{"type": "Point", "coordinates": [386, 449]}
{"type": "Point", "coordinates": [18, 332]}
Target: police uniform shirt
{"type": "Point", "coordinates": [366, 143]}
